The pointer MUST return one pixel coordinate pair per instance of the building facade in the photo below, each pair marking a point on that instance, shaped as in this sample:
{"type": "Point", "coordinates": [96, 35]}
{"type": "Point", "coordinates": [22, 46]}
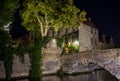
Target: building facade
{"type": "Point", "coordinates": [88, 36]}
{"type": "Point", "coordinates": [85, 37]}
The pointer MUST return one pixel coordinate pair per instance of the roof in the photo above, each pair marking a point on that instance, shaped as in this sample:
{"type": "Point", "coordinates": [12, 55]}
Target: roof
{"type": "Point", "coordinates": [90, 23]}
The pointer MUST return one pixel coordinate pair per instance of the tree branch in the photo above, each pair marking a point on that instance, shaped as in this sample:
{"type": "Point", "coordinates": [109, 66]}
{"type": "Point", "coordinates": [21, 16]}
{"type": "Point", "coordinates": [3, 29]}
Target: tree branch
{"type": "Point", "coordinates": [47, 26]}
{"type": "Point", "coordinates": [41, 26]}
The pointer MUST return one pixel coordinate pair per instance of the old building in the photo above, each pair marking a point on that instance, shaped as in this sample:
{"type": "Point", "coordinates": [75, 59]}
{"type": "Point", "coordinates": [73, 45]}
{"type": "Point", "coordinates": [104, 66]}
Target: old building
{"type": "Point", "coordinates": [88, 36]}
{"type": "Point", "coordinates": [83, 38]}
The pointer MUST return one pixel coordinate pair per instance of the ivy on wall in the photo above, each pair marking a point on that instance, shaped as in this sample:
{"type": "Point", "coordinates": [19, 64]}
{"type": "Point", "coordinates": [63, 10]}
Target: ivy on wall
{"type": "Point", "coordinates": [6, 52]}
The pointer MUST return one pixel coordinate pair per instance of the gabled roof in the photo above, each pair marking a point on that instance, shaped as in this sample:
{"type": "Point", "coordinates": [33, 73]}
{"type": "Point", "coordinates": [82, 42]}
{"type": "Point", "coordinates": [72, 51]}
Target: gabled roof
{"type": "Point", "coordinates": [90, 23]}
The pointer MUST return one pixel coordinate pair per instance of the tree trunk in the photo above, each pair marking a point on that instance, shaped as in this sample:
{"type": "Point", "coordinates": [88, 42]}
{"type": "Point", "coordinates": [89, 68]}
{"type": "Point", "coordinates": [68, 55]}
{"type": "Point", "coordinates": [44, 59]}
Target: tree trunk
{"type": "Point", "coordinates": [35, 54]}
{"type": "Point", "coordinates": [36, 62]}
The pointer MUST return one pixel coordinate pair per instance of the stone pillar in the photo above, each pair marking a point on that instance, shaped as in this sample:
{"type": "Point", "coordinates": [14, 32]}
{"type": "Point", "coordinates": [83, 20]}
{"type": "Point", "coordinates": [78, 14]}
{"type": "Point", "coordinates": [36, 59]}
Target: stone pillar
{"type": "Point", "coordinates": [51, 58]}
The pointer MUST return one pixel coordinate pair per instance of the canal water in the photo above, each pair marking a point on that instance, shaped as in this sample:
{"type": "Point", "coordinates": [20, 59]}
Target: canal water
{"type": "Point", "coordinates": [101, 75]}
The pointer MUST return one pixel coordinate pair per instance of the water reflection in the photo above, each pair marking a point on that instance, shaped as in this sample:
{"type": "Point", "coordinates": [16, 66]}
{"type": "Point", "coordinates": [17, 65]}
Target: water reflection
{"type": "Point", "coordinates": [101, 75]}
{"type": "Point", "coordinates": [51, 78]}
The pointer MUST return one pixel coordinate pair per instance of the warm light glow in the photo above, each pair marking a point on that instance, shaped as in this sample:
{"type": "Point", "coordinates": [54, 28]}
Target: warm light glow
{"type": "Point", "coordinates": [54, 40]}
{"type": "Point", "coordinates": [69, 43]}
{"type": "Point", "coordinates": [76, 42]}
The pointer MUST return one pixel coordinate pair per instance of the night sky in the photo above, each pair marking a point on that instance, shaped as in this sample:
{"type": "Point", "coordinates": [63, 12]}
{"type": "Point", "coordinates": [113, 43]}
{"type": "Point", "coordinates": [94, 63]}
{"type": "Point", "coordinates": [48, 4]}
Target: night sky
{"type": "Point", "coordinates": [105, 15]}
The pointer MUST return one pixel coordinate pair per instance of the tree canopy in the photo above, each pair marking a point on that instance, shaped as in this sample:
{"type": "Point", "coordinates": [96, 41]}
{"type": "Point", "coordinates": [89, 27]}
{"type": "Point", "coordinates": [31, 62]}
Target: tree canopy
{"type": "Point", "coordinates": [44, 14]}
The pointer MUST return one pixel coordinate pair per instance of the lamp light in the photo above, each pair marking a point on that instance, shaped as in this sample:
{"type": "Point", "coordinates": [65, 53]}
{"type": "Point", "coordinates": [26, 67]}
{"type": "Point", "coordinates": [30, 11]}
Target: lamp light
{"type": "Point", "coordinates": [76, 42]}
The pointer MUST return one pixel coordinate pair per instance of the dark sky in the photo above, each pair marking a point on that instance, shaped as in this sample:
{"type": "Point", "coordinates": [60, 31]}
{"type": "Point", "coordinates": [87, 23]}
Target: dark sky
{"type": "Point", "coordinates": [105, 15]}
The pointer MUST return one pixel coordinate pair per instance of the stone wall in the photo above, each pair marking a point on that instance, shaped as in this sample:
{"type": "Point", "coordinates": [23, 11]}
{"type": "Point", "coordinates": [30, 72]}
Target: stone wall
{"type": "Point", "coordinates": [108, 59]}
{"type": "Point", "coordinates": [51, 62]}
{"type": "Point", "coordinates": [78, 64]}
{"type": "Point", "coordinates": [74, 63]}
{"type": "Point", "coordinates": [88, 38]}
{"type": "Point", "coordinates": [21, 68]}
{"type": "Point", "coordinates": [2, 70]}
{"type": "Point", "coordinates": [51, 58]}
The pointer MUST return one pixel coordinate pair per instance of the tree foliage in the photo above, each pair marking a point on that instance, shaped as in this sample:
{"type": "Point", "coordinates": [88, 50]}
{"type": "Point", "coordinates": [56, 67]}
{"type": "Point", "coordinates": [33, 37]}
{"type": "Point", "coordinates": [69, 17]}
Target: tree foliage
{"type": "Point", "coordinates": [6, 52]}
{"type": "Point", "coordinates": [7, 8]}
{"type": "Point", "coordinates": [45, 14]}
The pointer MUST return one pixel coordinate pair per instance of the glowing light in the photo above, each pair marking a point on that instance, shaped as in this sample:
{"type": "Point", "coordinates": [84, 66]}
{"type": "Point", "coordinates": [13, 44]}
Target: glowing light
{"type": "Point", "coordinates": [69, 43]}
{"type": "Point", "coordinates": [54, 40]}
{"type": "Point", "coordinates": [76, 42]}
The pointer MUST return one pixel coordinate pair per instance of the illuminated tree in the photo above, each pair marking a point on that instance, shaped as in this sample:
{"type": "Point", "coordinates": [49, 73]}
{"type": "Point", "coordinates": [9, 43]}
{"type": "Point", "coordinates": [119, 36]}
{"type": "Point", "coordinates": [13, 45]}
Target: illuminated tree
{"type": "Point", "coordinates": [39, 16]}
{"type": "Point", "coordinates": [50, 13]}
